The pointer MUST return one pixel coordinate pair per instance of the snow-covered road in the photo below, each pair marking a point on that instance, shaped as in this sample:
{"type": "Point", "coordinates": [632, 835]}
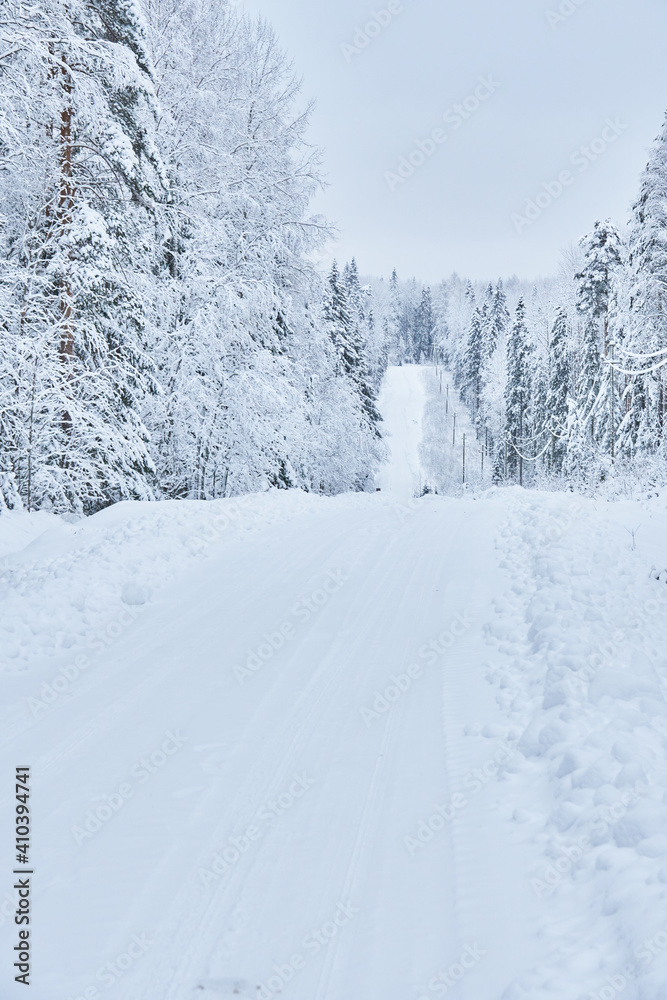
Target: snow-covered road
{"type": "Point", "coordinates": [282, 770]}
{"type": "Point", "coordinates": [401, 403]}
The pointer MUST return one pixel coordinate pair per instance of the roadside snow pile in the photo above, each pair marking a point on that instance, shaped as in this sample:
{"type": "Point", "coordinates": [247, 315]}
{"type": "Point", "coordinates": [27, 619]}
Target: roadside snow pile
{"type": "Point", "coordinates": [18, 529]}
{"type": "Point", "coordinates": [582, 669]}
{"type": "Point", "coordinates": [62, 585]}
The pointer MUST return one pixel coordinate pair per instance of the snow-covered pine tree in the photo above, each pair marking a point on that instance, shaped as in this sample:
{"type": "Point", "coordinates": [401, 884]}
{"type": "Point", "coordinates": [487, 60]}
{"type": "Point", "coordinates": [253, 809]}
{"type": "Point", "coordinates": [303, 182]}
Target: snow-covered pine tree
{"type": "Point", "coordinates": [596, 282]}
{"type": "Point", "coordinates": [583, 430]}
{"type": "Point", "coordinates": [362, 313]}
{"type": "Point", "coordinates": [474, 359]}
{"type": "Point", "coordinates": [494, 335]}
{"type": "Point", "coordinates": [559, 390]}
{"type": "Point", "coordinates": [393, 321]}
{"type": "Point", "coordinates": [350, 346]}
{"type": "Point", "coordinates": [518, 392]}
{"type": "Point", "coordinates": [81, 232]}
{"type": "Point", "coordinates": [488, 332]}
{"type": "Point", "coordinates": [338, 452]}
{"type": "Point", "coordinates": [462, 328]}
{"type": "Point", "coordinates": [500, 315]}
{"type": "Point", "coordinates": [354, 291]}
{"type": "Point", "coordinates": [647, 332]}
{"type": "Point", "coordinates": [424, 327]}
{"type": "Point", "coordinates": [537, 424]}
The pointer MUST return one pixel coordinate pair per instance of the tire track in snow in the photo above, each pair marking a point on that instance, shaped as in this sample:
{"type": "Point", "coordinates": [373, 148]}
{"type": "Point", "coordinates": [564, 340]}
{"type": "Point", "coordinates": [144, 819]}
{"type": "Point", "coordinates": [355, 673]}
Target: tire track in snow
{"type": "Point", "coordinates": [371, 620]}
{"type": "Point", "coordinates": [196, 928]}
{"type": "Point", "coordinates": [369, 815]}
{"type": "Point", "coordinates": [103, 722]}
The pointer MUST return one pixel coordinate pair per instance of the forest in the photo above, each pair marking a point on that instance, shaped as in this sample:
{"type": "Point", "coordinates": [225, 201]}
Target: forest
{"type": "Point", "coordinates": [169, 333]}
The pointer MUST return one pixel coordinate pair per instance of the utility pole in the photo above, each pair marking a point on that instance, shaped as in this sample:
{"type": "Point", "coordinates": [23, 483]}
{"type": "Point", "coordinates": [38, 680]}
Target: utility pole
{"type": "Point", "coordinates": [464, 459]}
{"type": "Point", "coordinates": [447, 400]}
{"type": "Point", "coordinates": [454, 434]}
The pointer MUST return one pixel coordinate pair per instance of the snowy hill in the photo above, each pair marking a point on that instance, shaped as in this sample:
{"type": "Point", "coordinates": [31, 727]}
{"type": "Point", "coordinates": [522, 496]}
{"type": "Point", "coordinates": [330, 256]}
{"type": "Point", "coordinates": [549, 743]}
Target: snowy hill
{"type": "Point", "coordinates": [369, 746]}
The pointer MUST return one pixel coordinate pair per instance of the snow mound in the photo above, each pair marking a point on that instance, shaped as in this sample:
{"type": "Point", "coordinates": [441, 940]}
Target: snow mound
{"type": "Point", "coordinates": [63, 585]}
{"type": "Point", "coordinates": [587, 683]}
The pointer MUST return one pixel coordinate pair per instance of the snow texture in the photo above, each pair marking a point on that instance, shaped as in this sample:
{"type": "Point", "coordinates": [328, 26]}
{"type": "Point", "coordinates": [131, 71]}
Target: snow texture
{"type": "Point", "coordinates": [362, 746]}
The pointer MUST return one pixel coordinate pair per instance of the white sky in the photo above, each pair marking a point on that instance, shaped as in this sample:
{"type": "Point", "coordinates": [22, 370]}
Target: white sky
{"type": "Point", "coordinates": [558, 86]}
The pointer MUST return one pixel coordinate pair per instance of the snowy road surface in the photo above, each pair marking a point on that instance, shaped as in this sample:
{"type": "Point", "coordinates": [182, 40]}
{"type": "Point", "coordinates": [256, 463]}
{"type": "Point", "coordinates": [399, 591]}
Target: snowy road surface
{"type": "Point", "coordinates": [401, 403]}
{"type": "Point", "coordinates": [338, 749]}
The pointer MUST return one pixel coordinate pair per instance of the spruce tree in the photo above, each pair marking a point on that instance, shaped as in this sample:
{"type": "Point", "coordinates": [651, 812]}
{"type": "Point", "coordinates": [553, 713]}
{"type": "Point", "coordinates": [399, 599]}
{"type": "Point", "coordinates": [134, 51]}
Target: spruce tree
{"type": "Point", "coordinates": [648, 303]}
{"type": "Point", "coordinates": [424, 327]}
{"type": "Point", "coordinates": [501, 316]}
{"type": "Point", "coordinates": [589, 411]}
{"type": "Point", "coordinates": [355, 295]}
{"type": "Point", "coordinates": [559, 390]}
{"type": "Point", "coordinates": [518, 390]}
{"type": "Point", "coordinates": [84, 232]}
{"type": "Point", "coordinates": [350, 346]}
{"type": "Point", "coordinates": [474, 358]}
{"type": "Point", "coordinates": [602, 258]}
{"type": "Point", "coordinates": [396, 351]}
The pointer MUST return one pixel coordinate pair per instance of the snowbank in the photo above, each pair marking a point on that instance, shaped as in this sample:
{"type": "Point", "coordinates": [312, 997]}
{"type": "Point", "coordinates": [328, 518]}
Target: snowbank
{"type": "Point", "coordinates": [581, 666]}
{"type": "Point", "coordinates": [63, 586]}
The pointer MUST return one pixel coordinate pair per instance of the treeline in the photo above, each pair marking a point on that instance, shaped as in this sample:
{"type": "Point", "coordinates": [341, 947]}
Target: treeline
{"type": "Point", "coordinates": [164, 333]}
{"type": "Point", "coordinates": [566, 379]}
{"type": "Point", "coordinates": [410, 322]}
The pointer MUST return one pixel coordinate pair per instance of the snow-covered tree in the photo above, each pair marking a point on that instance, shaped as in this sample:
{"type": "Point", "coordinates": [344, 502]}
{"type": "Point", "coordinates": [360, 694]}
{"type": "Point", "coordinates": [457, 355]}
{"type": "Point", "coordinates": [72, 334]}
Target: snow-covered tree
{"type": "Point", "coordinates": [350, 346]}
{"type": "Point", "coordinates": [559, 390]}
{"type": "Point", "coordinates": [424, 327]}
{"type": "Point", "coordinates": [602, 258]}
{"type": "Point", "coordinates": [647, 333]}
{"type": "Point", "coordinates": [79, 186]}
{"type": "Point", "coordinates": [474, 358]}
{"type": "Point", "coordinates": [517, 393]}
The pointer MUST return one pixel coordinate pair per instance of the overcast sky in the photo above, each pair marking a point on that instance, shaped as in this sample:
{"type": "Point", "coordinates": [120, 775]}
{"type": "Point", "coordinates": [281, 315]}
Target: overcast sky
{"type": "Point", "coordinates": [556, 84]}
